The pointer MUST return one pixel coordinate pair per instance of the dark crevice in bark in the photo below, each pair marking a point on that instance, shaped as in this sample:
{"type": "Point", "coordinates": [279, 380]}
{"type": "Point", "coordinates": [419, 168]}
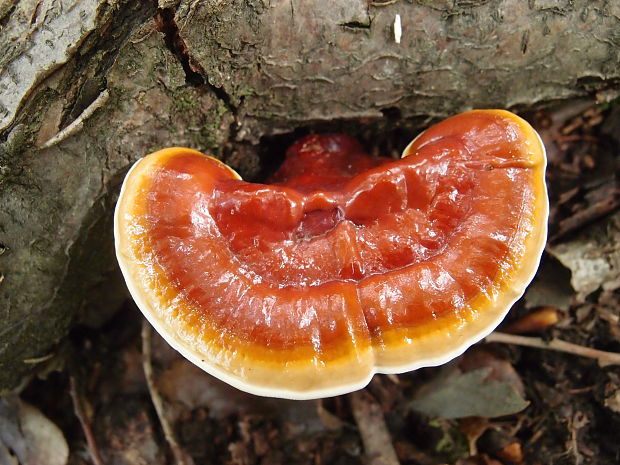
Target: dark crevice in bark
{"type": "Point", "coordinates": [164, 19]}
{"type": "Point", "coordinates": [6, 15]}
{"type": "Point", "coordinates": [392, 113]}
{"type": "Point", "coordinates": [356, 25]}
{"type": "Point", "coordinates": [87, 94]}
{"type": "Point", "coordinates": [221, 94]}
{"type": "Point", "coordinates": [195, 75]}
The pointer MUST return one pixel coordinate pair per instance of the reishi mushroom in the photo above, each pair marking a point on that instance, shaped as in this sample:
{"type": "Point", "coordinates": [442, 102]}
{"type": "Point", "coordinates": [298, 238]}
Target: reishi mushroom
{"type": "Point", "coordinates": [345, 265]}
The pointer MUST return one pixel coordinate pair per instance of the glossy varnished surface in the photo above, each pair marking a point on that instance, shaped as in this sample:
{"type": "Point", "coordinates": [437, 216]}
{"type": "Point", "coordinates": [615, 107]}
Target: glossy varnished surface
{"type": "Point", "coordinates": [344, 264]}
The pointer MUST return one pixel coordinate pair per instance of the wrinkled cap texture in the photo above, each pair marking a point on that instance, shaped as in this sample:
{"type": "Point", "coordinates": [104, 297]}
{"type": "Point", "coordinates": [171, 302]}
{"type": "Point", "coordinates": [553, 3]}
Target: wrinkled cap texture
{"type": "Point", "coordinates": [342, 265]}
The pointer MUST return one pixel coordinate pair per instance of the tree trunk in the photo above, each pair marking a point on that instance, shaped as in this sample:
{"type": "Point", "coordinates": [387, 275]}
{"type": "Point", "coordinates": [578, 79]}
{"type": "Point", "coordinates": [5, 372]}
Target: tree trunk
{"type": "Point", "coordinates": [87, 87]}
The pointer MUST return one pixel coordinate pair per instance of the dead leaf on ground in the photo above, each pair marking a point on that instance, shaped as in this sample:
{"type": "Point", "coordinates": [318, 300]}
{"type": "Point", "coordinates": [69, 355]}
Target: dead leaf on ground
{"type": "Point", "coordinates": [28, 437]}
{"type": "Point", "coordinates": [501, 369]}
{"type": "Point", "coordinates": [470, 394]}
{"type": "Point", "coordinates": [593, 257]}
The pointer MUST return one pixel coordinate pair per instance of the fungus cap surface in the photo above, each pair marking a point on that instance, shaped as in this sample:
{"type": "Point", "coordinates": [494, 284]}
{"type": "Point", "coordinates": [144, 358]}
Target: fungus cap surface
{"type": "Point", "coordinates": [346, 265]}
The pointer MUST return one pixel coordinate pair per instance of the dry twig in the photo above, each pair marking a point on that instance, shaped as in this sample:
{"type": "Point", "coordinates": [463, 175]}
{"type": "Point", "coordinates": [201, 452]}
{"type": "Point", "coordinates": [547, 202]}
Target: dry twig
{"type": "Point", "coordinates": [604, 358]}
{"type": "Point", "coordinates": [78, 408]}
{"type": "Point", "coordinates": [78, 124]}
{"type": "Point", "coordinates": [375, 435]}
{"type": "Point", "coordinates": [180, 457]}
{"type": "Point", "coordinates": [588, 215]}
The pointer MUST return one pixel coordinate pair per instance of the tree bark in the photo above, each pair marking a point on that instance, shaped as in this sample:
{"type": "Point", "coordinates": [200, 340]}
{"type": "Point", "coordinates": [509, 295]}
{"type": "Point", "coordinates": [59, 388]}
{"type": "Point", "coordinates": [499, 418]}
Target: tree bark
{"type": "Point", "coordinates": [87, 87]}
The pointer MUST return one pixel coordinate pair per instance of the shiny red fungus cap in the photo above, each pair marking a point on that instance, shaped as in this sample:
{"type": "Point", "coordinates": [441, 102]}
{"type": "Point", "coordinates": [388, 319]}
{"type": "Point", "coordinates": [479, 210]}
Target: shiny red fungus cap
{"type": "Point", "coordinates": [345, 265]}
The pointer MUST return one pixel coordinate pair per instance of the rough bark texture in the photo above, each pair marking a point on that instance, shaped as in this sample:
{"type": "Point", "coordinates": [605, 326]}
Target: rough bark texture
{"type": "Point", "coordinates": [87, 87]}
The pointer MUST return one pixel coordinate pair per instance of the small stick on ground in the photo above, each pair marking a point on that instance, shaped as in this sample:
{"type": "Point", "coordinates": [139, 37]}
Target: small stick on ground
{"type": "Point", "coordinates": [373, 430]}
{"type": "Point", "coordinates": [180, 457]}
{"type": "Point", "coordinates": [604, 358]}
{"type": "Point", "coordinates": [78, 408]}
{"type": "Point", "coordinates": [588, 215]}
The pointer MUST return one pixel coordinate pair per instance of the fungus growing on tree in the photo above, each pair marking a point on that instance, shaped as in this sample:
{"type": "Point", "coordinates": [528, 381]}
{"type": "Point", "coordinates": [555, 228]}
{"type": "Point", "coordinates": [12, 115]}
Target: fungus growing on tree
{"type": "Point", "coordinates": [345, 265]}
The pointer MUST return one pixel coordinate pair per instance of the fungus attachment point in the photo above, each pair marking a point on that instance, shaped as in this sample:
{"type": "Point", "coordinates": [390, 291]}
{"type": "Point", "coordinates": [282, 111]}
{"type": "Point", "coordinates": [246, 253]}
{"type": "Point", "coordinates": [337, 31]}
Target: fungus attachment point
{"type": "Point", "coordinates": [344, 265]}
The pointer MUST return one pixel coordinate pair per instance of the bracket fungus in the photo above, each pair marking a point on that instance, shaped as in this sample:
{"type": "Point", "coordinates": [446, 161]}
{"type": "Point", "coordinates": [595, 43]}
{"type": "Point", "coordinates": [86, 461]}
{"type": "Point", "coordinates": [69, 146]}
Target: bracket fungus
{"type": "Point", "coordinates": [345, 265]}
